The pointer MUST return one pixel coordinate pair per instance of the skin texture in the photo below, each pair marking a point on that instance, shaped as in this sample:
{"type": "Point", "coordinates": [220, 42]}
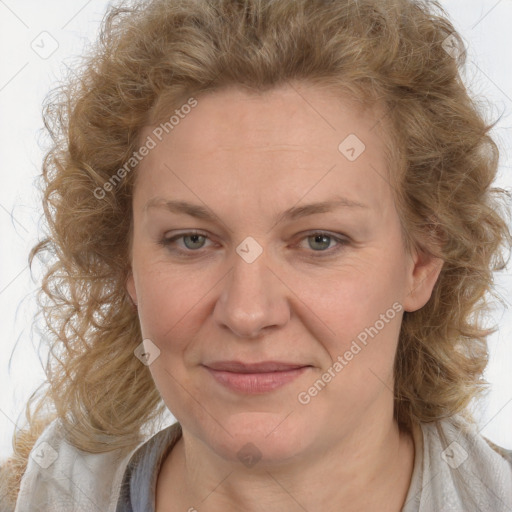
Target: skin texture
{"type": "Point", "coordinates": [247, 158]}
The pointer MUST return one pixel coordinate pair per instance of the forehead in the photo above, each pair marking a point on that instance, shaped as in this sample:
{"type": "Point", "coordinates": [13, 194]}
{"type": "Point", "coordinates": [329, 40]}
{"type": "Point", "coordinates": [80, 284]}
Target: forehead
{"type": "Point", "coordinates": [288, 137]}
{"type": "Point", "coordinates": [294, 113]}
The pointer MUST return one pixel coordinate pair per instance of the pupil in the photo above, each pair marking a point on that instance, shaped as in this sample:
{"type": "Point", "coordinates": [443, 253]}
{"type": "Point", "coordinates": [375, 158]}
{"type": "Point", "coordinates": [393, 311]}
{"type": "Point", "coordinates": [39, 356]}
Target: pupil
{"type": "Point", "coordinates": [194, 238]}
{"type": "Point", "coordinates": [319, 238]}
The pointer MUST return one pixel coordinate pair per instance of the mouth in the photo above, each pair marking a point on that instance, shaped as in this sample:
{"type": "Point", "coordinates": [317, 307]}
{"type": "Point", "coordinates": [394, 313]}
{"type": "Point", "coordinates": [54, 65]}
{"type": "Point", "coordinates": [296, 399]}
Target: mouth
{"type": "Point", "coordinates": [255, 378]}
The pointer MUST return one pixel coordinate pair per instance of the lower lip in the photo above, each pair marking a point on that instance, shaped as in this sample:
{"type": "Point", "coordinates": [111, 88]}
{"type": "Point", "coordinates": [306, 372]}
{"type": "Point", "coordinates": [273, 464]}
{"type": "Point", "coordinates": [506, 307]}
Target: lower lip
{"type": "Point", "coordinates": [254, 383]}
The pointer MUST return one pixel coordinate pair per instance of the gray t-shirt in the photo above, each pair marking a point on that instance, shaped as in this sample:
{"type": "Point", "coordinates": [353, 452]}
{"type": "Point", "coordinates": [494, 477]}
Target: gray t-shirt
{"type": "Point", "coordinates": [455, 470]}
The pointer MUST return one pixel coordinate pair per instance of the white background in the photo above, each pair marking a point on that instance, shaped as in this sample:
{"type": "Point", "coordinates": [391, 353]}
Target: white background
{"type": "Point", "coordinates": [25, 78]}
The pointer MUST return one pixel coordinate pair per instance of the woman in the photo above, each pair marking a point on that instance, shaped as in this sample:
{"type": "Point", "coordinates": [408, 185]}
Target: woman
{"type": "Point", "coordinates": [275, 220]}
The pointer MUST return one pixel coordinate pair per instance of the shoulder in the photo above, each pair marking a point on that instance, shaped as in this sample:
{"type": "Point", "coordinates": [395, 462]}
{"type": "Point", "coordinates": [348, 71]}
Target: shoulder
{"type": "Point", "coordinates": [463, 470]}
{"type": "Point", "coordinates": [60, 477]}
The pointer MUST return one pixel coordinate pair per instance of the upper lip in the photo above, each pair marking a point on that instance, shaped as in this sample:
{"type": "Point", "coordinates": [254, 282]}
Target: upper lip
{"type": "Point", "coordinates": [261, 367]}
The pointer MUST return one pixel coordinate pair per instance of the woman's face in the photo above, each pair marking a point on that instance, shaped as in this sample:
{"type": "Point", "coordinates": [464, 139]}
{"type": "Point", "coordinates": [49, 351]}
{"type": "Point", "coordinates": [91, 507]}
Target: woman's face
{"type": "Point", "coordinates": [269, 277]}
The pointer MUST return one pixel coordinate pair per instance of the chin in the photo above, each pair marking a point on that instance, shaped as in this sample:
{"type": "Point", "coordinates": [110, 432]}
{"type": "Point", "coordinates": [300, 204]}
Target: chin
{"type": "Point", "coordinates": [263, 437]}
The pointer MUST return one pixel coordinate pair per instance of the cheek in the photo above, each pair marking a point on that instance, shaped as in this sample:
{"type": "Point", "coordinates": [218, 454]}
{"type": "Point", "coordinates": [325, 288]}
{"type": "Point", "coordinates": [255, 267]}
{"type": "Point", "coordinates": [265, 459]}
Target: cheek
{"type": "Point", "coordinates": [166, 298]}
{"type": "Point", "coordinates": [350, 299]}
{"type": "Point", "coordinates": [361, 311]}
{"type": "Point", "coordinates": [170, 302]}
{"type": "Point", "coordinates": [364, 321]}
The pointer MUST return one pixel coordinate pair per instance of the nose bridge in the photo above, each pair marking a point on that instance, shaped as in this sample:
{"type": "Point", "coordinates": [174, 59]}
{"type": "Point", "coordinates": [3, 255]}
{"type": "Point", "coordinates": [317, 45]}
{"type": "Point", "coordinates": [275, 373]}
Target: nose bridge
{"type": "Point", "coordinates": [252, 297]}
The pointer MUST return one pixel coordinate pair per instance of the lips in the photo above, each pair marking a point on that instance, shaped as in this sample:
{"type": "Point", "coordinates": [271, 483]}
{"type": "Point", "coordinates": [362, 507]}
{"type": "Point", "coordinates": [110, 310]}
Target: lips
{"type": "Point", "coordinates": [255, 378]}
{"type": "Point", "coordinates": [261, 367]}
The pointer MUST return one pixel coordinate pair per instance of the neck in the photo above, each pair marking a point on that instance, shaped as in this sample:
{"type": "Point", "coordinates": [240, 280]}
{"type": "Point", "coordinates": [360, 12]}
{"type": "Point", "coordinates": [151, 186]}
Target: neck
{"type": "Point", "coordinates": [369, 470]}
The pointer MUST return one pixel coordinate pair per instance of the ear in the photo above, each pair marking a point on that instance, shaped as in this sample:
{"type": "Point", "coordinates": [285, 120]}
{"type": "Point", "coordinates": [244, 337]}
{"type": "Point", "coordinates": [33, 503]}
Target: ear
{"type": "Point", "coordinates": [130, 287]}
{"type": "Point", "coordinates": [423, 271]}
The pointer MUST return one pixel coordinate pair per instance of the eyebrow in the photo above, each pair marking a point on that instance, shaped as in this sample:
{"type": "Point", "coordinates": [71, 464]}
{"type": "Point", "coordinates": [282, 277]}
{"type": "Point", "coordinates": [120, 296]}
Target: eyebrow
{"type": "Point", "coordinates": [292, 213]}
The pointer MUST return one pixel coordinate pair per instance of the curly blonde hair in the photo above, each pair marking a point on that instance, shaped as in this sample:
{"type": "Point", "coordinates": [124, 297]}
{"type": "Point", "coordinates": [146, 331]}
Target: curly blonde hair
{"type": "Point", "coordinates": [153, 54]}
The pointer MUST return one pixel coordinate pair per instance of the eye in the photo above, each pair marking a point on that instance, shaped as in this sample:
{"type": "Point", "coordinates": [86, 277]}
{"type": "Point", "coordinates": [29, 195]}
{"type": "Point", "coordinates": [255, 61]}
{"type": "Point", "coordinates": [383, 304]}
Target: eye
{"type": "Point", "coordinates": [319, 241]}
{"type": "Point", "coordinates": [192, 241]}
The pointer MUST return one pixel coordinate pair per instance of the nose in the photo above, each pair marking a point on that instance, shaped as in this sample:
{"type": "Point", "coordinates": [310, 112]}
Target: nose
{"type": "Point", "coordinates": [253, 298]}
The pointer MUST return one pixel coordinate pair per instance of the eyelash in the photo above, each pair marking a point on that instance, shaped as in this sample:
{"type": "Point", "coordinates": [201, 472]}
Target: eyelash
{"type": "Point", "coordinates": [342, 242]}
